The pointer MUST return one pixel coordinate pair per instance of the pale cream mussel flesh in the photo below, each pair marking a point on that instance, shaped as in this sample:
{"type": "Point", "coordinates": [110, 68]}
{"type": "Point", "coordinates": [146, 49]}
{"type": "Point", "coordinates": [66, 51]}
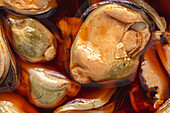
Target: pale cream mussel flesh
{"type": "Point", "coordinates": [29, 7]}
{"type": "Point", "coordinates": [49, 88]}
{"type": "Point", "coordinates": [31, 39]}
{"type": "Point", "coordinates": [8, 67]}
{"type": "Point", "coordinates": [109, 43]}
{"type": "Point", "coordinates": [44, 86]}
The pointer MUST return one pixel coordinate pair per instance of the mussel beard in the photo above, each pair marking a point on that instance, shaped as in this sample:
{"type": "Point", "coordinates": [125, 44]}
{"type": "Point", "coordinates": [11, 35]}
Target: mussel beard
{"type": "Point", "coordinates": [108, 44]}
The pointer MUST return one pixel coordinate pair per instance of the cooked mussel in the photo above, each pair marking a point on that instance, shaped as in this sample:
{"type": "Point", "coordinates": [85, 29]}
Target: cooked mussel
{"type": "Point", "coordinates": [45, 87]}
{"type": "Point", "coordinates": [89, 100]}
{"type": "Point", "coordinates": [164, 51]}
{"type": "Point", "coordinates": [8, 67]}
{"type": "Point", "coordinates": [110, 41]}
{"type": "Point", "coordinates": [154, 79]}
{"type": "Point", "coordinates": [29, 7]}
{"type": "Point", "coordinates": [109, 108]}
{"type": "Point", "coordinates": [32, 40]}
{"type": "Point", "coordinates": [48, 88]}
{"type": "Point", "coordinates": [165, 108]}
{"type": "Point", "coordinates": [14, 103]}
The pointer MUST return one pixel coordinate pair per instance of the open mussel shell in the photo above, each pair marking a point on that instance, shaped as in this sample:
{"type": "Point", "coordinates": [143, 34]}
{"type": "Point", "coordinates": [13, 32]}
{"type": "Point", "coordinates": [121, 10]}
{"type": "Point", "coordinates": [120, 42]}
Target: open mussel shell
{"type": "Point", "coordinates": [44, 86]}
{"type": "Point", "coordinates": [31, 39]}
{"type": "Point", "coordinates": [8, 67]}
{"type": "Point", "coordinates": [89, 100]}
{"type": "Point", "coordinates": [109, 43]}
{"type": "Point", "coordinates": [29, 7]}
{"type": "Point", "coordinates": [154, 78]}
{"type": "Point", "coordinates": [14, 103]}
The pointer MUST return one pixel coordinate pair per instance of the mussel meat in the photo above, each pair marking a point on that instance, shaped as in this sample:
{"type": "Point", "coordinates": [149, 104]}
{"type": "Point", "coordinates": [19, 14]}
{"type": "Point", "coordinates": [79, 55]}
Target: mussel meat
{"type": "Point", "coordinates": [29, 7]}
{"type": "Point", "coordinates": [165, 108]}
{"type": "Point", "coordinates": [87, 101]}
{"type": "Point", "coordinates": [154, 79]}
{"type": "Point", "coordinates": [31, 39]}
{"type": "Point", "coordinates": [164, 52]}
{"type": "Point", "coordinates": [109, 42]}
{"type": "Point", "coordinates": [14, 103]}
{"type": "Point", "coordinates": [109, 108]}
{"type": "Point", "coordinates": [8, 67]}
{"type": "Point", "coordinates": [45, 87]}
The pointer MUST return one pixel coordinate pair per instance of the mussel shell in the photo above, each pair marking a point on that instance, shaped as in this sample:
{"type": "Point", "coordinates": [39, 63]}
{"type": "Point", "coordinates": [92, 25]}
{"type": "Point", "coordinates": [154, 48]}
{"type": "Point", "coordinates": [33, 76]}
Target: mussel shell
{"type": "Point", "coordinates": [9, 70]}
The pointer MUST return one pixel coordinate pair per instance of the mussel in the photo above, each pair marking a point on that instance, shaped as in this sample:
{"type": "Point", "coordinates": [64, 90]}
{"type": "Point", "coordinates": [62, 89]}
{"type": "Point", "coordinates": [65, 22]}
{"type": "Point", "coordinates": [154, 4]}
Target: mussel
{"type": "Point", "coordinates": [166, 49]}
{"type": "Point", "coordinates": [165, 108]}
{"type": "Point", "coordinates": [164, 52]}
{"type": "Point", "coordinates": [8, 66]}
{"type": "Point", "coordinates": [29, 7]}
{"type": "Point", "coordinates": [110, 41]}
{"type": "Point", "coordinates": [89, 100]}
{"type": "Point", "coordinates": [154, 79]}
{"type": "Point", "coordinates": [105, 109]}
{"type": "Point", "coordinates": [45, 87]}
{"type": "Point", "coordinates": [14, 103]}
{"type": "Point", "coordinates": [31, 39]}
